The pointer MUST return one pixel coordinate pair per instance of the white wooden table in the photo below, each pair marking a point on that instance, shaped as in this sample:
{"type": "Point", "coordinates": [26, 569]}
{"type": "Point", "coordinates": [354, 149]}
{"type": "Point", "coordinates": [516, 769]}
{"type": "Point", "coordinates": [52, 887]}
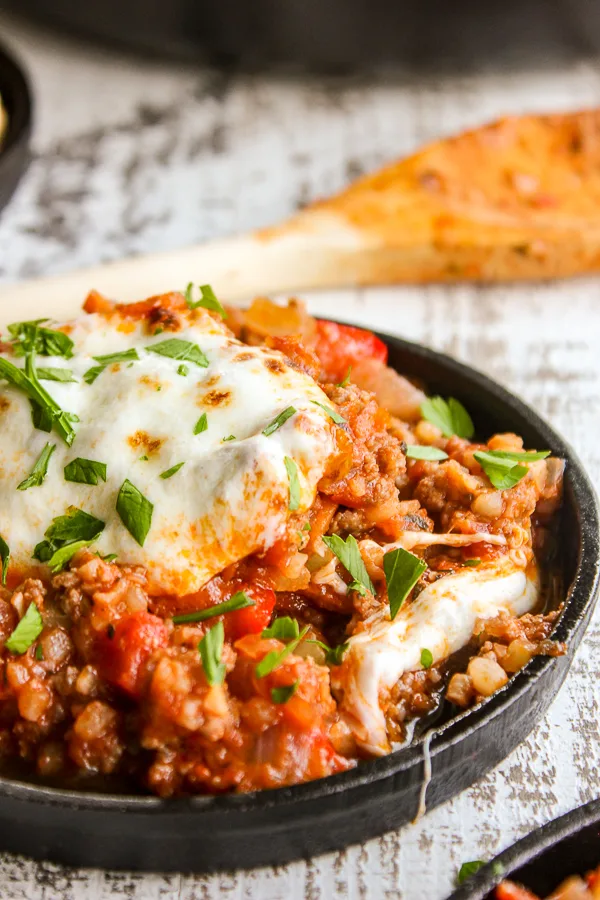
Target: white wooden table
{"type": "Point", "coordinates": [135, 158]}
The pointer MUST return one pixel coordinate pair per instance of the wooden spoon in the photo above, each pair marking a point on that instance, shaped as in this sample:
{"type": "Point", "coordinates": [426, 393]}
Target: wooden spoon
{"type": "Point", "coordinates": [517, 199]}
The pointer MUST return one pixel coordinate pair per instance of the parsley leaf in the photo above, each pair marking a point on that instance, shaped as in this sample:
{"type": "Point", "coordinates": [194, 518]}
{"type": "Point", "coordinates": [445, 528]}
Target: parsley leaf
{"type": "Point", "coordinates": [40, 469]}
{"type": "Point", "coordinates": [26, 632]}
{"type": "Point", "coordinates": [61, 557]}
{"type": "Point", "coordinates": [230, 437]}
{"type": "Point", "coordinates": [30, 336]}
{"type": "Point", "coordinates": [283, 694]}
{"type": "Point", "coordinates": [56, 374]}
{"type": "Point", "coordinates": [41, 418]}
{"type": "Point", "coordinates": [474, 561]}
{"type": "Point", "coordinates": [419, 451]}
{"type": "Point", "coordinates": [176, 348]}
{"type": "Point", "coordinates": [292, 471]}
{"type": "Point", "coordinates": [333, 655]}
{"type": "Point", "coordinates": [348, 554]}
{"type": "Point", "coordinates": [172, 470]}
{"type": "Point", "coordinates": [65, 536]}
{"type": "Point", "coordinates": [450, 417]}
{"type": "Point", "coordinates": [211, 647]}
{"type": "Point", "coordinates": [5, 557]}
{"type": "Point", "coordinates": [335, 416]}
{"type": "Point", "coordinates": [208, 299]}
{"type": "Point", "coordinates": [109, 359]}
{"type": "Point", "coordinates": [279, 420]}
{"type": "Point", "coordinates": [502, 466]}
{"type": "Point", "coordinates": [426, 658]}
{"type": "Point", "coordinates": [85, 471]}
{"type": "Point", "coordinates": [346, 380]}
{"type": "Point", "coordinates": [239, 600]}
{"type": "Point", "coordinates": [283, 629]}
{"type": "Point", "coordinates": [182, 370]}
{"type": "Point", "coordinates": [44, 407]}
{"type": "Point", "coordinates": [273, 660]}
{"type": "Point", "coordinates": [402, 571]}
{"type": "Point", "coordinates": [135, 511]}
{"type": "Point", "coordinates": [201, 425]}
{"type": "Point", "coordinates": [469, 868]}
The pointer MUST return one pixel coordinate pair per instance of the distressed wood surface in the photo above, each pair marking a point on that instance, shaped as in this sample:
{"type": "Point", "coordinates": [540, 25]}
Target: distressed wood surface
{"type": "Point", "coordinates": [135, 158]}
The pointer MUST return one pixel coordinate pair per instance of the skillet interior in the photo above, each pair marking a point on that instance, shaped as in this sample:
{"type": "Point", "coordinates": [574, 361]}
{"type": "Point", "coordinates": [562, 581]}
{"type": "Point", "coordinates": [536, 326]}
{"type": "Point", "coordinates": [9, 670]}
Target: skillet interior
{"type": "Point", "coordinates": [271, 827]}
{"type": "Point", "coordinates": [14, 148]}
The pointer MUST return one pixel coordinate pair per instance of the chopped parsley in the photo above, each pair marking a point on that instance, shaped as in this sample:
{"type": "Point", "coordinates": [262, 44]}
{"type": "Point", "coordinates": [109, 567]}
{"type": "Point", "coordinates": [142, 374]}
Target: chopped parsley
{"type": "Point", "coordinates": [31, 336]}
{"type": "Point", "coordinates": [65, 536]}
{"type": "Point", "coordinates": [230, 437]}
{"type": "Point", "coordinates": [39, 653]}
{"type": "Point", "coordinates": [239, 600]}
{"type": "Point", "coordinates": [40, 469]}
{"type": "Point", "coordinates": [474, 561]}
{"type": "Point", "coordinates": [402, 571]}
{"type": "Point", "coordinates": [346, 380]}
{"type": "Point", "coordinates": [292, 472]}
{"type": "Point", "coordinates": [283, 629]}
{"type": "Point", "coordinates": [469, 868]}
{"type": "Point", "coordinates": [348, 554]}
{"type": "Point", "coordinates": [274, 659]}
{"type": "Point", "coordinates": [426, 658]}
{"type": "Point", "coordinates": [45, 410]}
{"type": "Point", "coordinates": [109, 359]}
{"type": "Point", "coordinates": [176, 348]}
{"type": "Point", "coordinates": [201, 425]}
{"type": "Point", "coordinates": [55, 374]}
{"type": "Point", "coordinates": [420, 451]}
{"type": "Point", "coordinates": [449, 416]}
{"type": "Point", "coordinates": [85, 471]}
{"type": "Point", "coordinates": [333, 655]}
{"type": "Point", "coordinates": [283, 694]}
{"type": "Point", "coordinates": [279, 420]}
{"type": "Point", "coordinates": [503, 467]}
{"type": "Point", "coordinates": [182, 369]}
{"type": "Point", "coordinates": [335, 416]}
{"type": "Point", "coordinates": [27, 631]}
{"type": "Point", "coordinates": [172, 470]}
{"type": "Point", "coordinates": [208, 299]}
{"type": "Point", "coordinates": [4, 557]}
{"type": "Point", "coordinates": [135, 511]}
{"type": "Point", "coordinates": [211, 647]}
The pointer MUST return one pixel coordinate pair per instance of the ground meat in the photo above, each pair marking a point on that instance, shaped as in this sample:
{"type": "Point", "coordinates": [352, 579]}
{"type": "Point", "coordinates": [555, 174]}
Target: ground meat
{"type": "Point", "coordinates": [505, 644]}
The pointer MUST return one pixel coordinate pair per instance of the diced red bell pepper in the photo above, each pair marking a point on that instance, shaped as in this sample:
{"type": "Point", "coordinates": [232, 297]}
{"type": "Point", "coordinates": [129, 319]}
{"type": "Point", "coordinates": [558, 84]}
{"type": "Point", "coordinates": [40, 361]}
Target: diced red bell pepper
{"type": "Point", "coordinates": [508, 890]}
{"type": "Point", "coordinates": [339, 347]}
{"type": "Point", "coordinates": [121, 654]}
{"type": "Point", "coordinates": [252, 619]}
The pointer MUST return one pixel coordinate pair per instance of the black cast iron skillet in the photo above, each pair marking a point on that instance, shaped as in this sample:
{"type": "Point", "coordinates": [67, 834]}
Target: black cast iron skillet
{"type": "Point", "coordinates": [272, 827]}
{"type": "Point", "coordinates": [14, 145]}
{"type": "Point", "coordinates": [567, 846]}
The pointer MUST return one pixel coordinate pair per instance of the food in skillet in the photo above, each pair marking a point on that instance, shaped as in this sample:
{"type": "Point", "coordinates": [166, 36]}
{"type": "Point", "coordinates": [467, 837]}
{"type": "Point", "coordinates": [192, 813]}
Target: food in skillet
{"type": "Point", "coordinates": [239, 551]}
{"type": "Point", "coordinates": [573, 888]}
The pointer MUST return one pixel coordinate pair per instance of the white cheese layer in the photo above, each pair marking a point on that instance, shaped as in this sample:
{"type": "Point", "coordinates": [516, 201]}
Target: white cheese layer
{"type": "Point", "coordinates": [442, 620]}
{"type": "Point", "coordinates": [228, 500]}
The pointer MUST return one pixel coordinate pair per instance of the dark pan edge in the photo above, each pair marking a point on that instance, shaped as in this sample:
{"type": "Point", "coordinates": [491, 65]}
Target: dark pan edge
{"type": "Point", "coordinates": [322, 815]}
{"type": "Point", "coordinates": [529, 850]}
{"type": "Point", "coordinates": [14, 150]}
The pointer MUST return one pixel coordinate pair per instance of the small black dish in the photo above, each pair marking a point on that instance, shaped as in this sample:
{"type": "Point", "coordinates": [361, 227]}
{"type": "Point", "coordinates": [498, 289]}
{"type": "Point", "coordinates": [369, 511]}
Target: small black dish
{"type": "Point", "coordinates": [567, 846]}
{"type": "Point", "coordinates": [202, 834]}
{"type": "Point", "coordinates": [14, 144]}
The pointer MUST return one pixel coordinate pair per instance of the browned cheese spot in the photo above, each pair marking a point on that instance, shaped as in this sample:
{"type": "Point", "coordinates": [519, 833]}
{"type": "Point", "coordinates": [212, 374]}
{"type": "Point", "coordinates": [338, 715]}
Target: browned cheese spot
{"type": "Point", "coordinates": [217, 398]}
{"type": "Point", "coordinates": [274, 365]}
{"type": "Point", "coordinates": [142, 440]}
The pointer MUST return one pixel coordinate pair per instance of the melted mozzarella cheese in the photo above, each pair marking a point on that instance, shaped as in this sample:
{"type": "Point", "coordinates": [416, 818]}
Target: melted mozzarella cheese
{"type": "Point", "coordinates": [229, 499]}
{"type": "Point", "coordinates": [442, 620]}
